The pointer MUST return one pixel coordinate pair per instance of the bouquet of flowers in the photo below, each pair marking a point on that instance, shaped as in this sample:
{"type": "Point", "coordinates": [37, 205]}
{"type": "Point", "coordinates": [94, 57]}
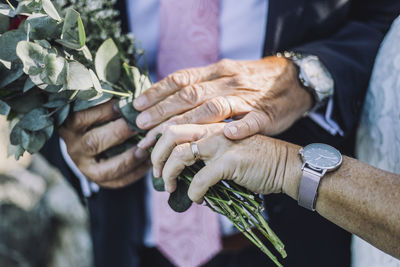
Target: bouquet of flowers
{"type": "Point", "coordinates": [50, 67]}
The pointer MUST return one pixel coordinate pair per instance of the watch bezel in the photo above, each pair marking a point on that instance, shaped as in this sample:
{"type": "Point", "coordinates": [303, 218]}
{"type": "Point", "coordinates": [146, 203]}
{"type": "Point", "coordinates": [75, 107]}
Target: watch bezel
{"type": "Point", "coordinates": [319, 168]}
{"type": "Point", "coordinates": [320, 92]}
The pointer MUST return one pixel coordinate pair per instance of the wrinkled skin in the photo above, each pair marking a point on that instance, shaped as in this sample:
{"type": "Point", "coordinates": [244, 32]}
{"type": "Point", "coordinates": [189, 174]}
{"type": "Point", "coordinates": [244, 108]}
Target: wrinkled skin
{"type": "Point", "coordinates": [265, 94]}
{"type": "Point", "coordinates": [258, 163]}
{"type": "Point", "coordinates": [85, 143]}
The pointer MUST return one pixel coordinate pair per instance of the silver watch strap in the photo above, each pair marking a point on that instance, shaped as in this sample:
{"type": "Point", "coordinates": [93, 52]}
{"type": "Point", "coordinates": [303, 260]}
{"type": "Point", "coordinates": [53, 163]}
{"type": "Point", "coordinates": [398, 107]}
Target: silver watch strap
{"type": "Point", "coordinates": [309, 188]}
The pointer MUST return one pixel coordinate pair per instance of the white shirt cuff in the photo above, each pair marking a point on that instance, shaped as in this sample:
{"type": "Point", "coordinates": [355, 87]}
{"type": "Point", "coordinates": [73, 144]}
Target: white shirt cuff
{"type": "Point", "coordinates": [325, 120]}
{"type": "Point", "coordinates": [87, 186]}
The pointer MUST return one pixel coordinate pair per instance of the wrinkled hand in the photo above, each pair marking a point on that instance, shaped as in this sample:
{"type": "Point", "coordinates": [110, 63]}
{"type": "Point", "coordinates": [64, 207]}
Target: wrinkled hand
{"type": "Point", "coordinates": [259, 163]}
{"type": "Point", "coordinates": [85, 143]}
{"type": "Point", "coordinates": [265, 94]}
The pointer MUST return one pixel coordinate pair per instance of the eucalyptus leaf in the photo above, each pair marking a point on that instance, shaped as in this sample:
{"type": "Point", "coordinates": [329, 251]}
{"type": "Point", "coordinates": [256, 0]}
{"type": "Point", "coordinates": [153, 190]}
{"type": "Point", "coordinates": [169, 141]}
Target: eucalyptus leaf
{"type": "Point", "coordinates": [158, 184]}
{"type": "Point", "coordinates": [78, 77]}
{"type": "Point", "coordinates": [32, 56]}
{"type": "Point", "coordinates": [43, 43]}
{"type": "Point", "coordinates": [17, 151]}
{"type": "Point", "coordinates": [88, 95]}
{"type": "Point", "coordinates": [55, 70]}
{"type": "Point", "coordinates": [48, 131]}
{"type": "Point", "coordinates": [34, 98]}
{"type": "Point", "coordinates": [81, 32]}
{"type": "Point", "coordinates": [8, 76]}
{"type": "Point", "coordinates": [82, 104]}
{"type": "Point", "coordinates": [62, 115]}
{"type": "Point", "coordinates": [15, 135]}
{"type": "Point", "coordinates": [6, 10]}
{"type": "Point", "coordinates": [28, 85]}
{"type": "Point", "coordinates": [127, 111]}
{"type": "Point", "coordinates": [42, 27]}
{"type": "Point", "coordinates": [96, 82]}
{"type": "Point", "coordinates": [35, 120]}
{"type": "Point", "coordinates": [140, 81]}
{"type": "Point", "coordinates": [8, 42]}
{"type": "Point", "coordinates": [69, 44]}
{"type": "Point", "coordinates": [86, 52]}
{"type": "Point", "coordinates": [179, 200]}
{"type": "Point", "coordinates": [49, 8]}
{"type": "Point", "coordinates": [107, 62]}
{"type": "Point", "coordinates": [55, 103]}
{"type": "Point", "coordinates": [4, 23]}
{"type": "Point", "coordinates": [70, 22]}
{"type": "Point", "coordinates": [4, 108]}
{"type": "Point", "coordinates": [32, 141]}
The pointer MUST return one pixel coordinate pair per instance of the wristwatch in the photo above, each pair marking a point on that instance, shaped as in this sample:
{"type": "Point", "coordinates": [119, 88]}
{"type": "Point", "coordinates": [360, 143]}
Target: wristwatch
{"type": "Point", "coordinates": [317, 160]}
{"type": "Point", "coordinates": [313, 75]}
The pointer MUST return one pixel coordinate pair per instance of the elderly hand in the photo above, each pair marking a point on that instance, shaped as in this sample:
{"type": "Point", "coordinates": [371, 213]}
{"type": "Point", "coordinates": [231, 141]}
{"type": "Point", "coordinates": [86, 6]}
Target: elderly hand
{"type": "Point", "coordinates": [259, 163]}
{"type": "Point", "coordinates": [266, 93]}
{"type": "Point", "coordinates": [85, 143]}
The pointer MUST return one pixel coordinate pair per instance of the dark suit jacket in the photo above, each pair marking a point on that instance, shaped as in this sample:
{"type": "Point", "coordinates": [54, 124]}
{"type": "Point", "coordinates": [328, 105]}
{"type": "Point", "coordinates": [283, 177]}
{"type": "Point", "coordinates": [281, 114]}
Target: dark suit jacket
{"type": "Point", "coordinates": [345, 35]}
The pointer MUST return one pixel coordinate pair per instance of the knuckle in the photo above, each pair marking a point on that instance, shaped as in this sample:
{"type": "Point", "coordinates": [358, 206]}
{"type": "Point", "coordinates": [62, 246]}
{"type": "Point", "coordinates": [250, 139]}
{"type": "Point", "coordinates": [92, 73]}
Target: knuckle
{"type": "Point", "coordinates": [192, 94]}
{"type": "Point", "coordinates": [180, 78]}
{"type": "Point", "coordinates": [225, 63]}
{"type": "Point", "coordinates": [91, 143]}
{"type": "Point", "coordinates": [78, 120]}
{"type": "Point", "coordinates": [160, 109]}
{"type": "Point", "coordinates": [178, 152]}
{"type": "Point", "coordinates": [218, 106]}
{"type": "Point", "coordinates": [238, 80]}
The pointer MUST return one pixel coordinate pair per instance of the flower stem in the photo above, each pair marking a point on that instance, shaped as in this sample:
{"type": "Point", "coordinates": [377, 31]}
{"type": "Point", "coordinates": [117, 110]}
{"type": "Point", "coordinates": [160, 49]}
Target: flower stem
{"type": "Point", "coordinates": [116, 93]}
{"type": "Point", "coordinates": [12, 7]}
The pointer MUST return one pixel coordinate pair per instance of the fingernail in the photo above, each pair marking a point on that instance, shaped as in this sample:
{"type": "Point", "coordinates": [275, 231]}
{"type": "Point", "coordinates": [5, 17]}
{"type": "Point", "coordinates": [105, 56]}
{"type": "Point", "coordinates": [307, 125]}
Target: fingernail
{"type": "Point", "coordinates": [233, 130]}
{"type": "Point", "coordinates": [140, 153]}
{"type": "Point", "coordinates": [143, 119]}
{"type": "Point", "coordinates": [156, 173]}
{"type": "Point", "coordinates": [141, 101]}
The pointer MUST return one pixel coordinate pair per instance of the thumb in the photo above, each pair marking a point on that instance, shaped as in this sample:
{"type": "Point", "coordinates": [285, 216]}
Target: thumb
{"type": "Point", "coordinates": [253, 123]}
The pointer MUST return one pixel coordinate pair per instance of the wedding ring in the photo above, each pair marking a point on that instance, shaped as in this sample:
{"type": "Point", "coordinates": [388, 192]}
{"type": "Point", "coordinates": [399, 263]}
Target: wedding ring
{"type": "Point", "coordinates": [232, 106]}
{"type": "Point", "coordinates": [195, 151]}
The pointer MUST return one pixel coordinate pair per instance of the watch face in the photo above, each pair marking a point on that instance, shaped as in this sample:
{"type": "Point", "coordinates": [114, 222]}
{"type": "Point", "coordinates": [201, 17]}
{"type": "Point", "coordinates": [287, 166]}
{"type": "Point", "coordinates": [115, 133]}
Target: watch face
{"type": "Point", "coordinates": [321, 156]}
{"type": "Point", "coordinates": [317, 75]}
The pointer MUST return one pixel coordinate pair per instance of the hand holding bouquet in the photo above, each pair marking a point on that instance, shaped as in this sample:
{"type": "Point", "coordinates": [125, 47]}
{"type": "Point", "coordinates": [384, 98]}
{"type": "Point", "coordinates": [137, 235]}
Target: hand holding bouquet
{"type": "Point", "coordinates": [48, 69]}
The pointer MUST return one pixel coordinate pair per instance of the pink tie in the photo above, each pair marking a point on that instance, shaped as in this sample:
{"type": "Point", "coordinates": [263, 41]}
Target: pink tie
{"type": "Point", "coordinates": [188, 38]}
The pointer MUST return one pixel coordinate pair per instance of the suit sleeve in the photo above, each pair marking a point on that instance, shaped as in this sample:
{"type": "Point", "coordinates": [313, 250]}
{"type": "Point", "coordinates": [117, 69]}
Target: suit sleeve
{"type": "Point", "coordinates": [349, 55]}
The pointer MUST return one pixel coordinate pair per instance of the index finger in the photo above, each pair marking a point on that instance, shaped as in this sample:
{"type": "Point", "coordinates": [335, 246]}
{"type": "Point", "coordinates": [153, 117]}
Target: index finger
{"type": "Point", "coordinates": [173, 82]}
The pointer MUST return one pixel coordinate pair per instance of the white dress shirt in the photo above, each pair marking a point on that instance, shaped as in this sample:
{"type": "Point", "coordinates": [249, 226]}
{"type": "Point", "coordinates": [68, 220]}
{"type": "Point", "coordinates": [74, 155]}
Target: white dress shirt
{"type": "Point", "coordinates": [242, 34]}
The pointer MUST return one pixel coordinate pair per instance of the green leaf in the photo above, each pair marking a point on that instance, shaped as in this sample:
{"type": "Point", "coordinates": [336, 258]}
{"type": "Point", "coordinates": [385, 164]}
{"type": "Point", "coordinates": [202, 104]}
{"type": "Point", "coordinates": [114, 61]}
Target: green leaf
{"type": "Point", "coordinates": [56, 103]}
{"type": "Point", "coordinates": [96, 82]}
{"type": "Point", "coordinates": [140, 81]}
{"type": "Point", "coordinates": [48, 131]}
{"type": "Point", "coordinates": [78, 77]}
{"type": "Point", "coordinates": [32, 56]}
{"type": "Point", "coordinates": [73, 34]}
{"type": "Point", "coordinates": [81, 32]}
{"type": "Point", "coordinates": [86, 52]}
{"type": "Point", "coordinates": [28, 85]}
{"type": "Point", "coordinates": [4, 23]}
{"type": "Point", "coordinates": [55, 70]}
{"type": "Point", "coordinates": [69, 44]}
{"type": "Point", "coordinates": [6, 10]}
{"type": "Point", "coordinates": [70, 22]}
{"type": "Point", "coordinates": [17, 151]}
{"type": "Point", "coordinates": [8, 76]}
{"type": "Point", "coordinates": [88, 95]}
{"type": "Point", "coordinates": [24, 103]}
{"type": "Point", "coordinates": [43, 43]}
{"type": "Point", "coordinates": [107, 62]}
{"type": "Point", "coordinates": [4, 108]}
{"type": "Point", "coordinates": [49, 8]}
{"type": "Point", "coordinates": [158, 184]}
{"type": "Point", "coordinates": [8, 42]}
{"type": "Point", "coordinates": [15, 135]}
{"type": "Point", "coordinates": [42, 27]}
{"type": "Point", "coordinates": [179, 200]}
{"type": "Point", "coordinates": [127, 111]}
{"type": "Point", "coordinates": [32, 141]}
{"type": "Point", "coordinates": [37, 119]}
{"type": "Point", "coordinates": [83, 104]}
{"type": "Point", "coordinates": [62, 115]}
